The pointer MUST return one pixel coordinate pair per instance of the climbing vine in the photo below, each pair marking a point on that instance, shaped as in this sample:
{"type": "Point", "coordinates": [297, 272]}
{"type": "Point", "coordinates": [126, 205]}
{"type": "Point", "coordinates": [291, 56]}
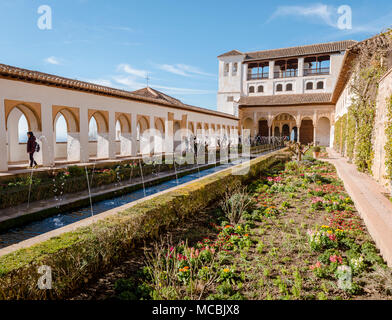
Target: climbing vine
{"type": "Point", "coordinates": [338, 134]}
{"type": "Point", "coordinates": [388, 133]}
{"type": "Point", "coordinates": [351, 129]}
{"type": "Point", "coordinates": [356, 131]}
{"type": "Point", "coordinates": [344, 135]}
{"type": "Point", "coordinates": [364, 109]}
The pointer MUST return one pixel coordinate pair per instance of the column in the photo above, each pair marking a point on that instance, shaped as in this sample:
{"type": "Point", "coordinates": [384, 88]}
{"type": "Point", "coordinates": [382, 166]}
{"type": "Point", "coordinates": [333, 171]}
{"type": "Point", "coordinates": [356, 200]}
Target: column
{"type": "Point", "coordinates": [255, 124]}
{"type": "Point", "coordinates": [314, 128]}
{"type": "Point", "coordinates": [47, 138]}
{"type": "Point", "coordinates": [269, 134]}
{"type": "Point", "coordinates": [169, 133]}
{"type": "Point", "coordinates": [152, 138]}
{"type": "Point", "coordinates": [301, 67]}
{"type": "Point", "coordinates": [83, 138]}
{"type": "Point", "coordinates": [3, 139]}
{"type": "Point", "coordinates": [112, 135]}
{"type": "Point", "coordinates": [300, 83]}
{"type": "Point", "coordinates": [134, 134]}
{"type": "Point", "coordinates": [298, 134]}
{"type": "Point", "coordinates": [245, 78]}
{"type": "Point", "coordinates": [271, 69]}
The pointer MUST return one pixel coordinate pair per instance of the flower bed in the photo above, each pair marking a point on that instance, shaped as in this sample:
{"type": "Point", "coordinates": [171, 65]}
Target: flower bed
{"type": "Point", "coordinates": [300, 239]}
{"type": "Point", "coordinates": [56, 183]}
{"type": "Point", "coordinates": [77, 256]}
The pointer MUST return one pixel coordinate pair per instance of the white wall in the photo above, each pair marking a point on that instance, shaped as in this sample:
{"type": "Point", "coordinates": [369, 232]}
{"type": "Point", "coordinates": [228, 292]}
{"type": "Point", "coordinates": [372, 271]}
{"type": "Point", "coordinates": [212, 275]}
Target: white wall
{"type": "Point", "coordinates": [230, 84]}
{"type": "Point", "coordinates": [49, 96]}
{"type": "Point", "coordinates": [239, 86]}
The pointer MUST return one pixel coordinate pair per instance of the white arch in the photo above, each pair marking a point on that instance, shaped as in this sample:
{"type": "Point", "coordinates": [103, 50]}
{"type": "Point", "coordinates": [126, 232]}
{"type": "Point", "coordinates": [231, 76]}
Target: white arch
{"type": "Point", "coordinates": [61, 128]}
{"type": "Point", "coordinates": [118, 130]}
{"type": "Point", "coordinates": [323, 130]}
{"type": "Point", "coordinates": [16, 124]}
{"type": "Point", "coordinates": [23, 128]}
{"type": "Point", "coordinates": [93, 129]}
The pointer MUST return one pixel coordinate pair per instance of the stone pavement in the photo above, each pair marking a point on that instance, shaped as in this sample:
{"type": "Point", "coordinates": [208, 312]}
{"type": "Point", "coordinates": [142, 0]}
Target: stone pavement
{"type": "Point", "coordinates": [370, 200]}
{"type": "Point", "coordinates": [21, 168]}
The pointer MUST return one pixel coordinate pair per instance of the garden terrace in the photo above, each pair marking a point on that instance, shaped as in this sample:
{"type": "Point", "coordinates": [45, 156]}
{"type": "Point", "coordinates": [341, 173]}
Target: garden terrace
{"type": "Point", "coordinates": [79, 252]}
{"type": "Point", "coordinates": [298, 237]}
{"type": "Point", "coordinates": [55, 183]}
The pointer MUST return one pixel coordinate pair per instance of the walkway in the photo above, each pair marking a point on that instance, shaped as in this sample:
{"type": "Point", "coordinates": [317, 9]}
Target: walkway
{"type": "Point", "coordinates": [16, 169]}
{"type": "Point", "coordinates": [370, 201]}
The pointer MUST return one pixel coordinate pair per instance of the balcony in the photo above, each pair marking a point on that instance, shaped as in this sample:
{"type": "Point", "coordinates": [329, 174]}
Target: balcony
{"type": "Point", "coordinates": [316, 71]}
{"type": "Point", "coordinates": [286, 74]}
{"type": "Point", "coordinates": [258, 76]}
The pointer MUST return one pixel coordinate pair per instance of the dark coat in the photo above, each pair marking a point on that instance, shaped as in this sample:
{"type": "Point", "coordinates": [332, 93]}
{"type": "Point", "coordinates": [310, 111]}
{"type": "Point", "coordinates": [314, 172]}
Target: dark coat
{"type": "Point", "coordinates": [31, 144]}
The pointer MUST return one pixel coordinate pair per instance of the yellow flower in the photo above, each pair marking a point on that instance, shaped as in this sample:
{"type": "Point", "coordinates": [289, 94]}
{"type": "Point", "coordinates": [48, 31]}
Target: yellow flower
{"type": "Point", "coordinates": [226, 270]}
{"type": "Point", "coordinates": [329, 232]}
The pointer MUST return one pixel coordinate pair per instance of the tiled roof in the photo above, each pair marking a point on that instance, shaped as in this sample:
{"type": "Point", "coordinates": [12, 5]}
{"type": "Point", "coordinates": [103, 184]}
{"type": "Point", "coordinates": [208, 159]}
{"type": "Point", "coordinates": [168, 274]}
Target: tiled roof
{"type": "Point", "coordinates": [381, 40]}
{"type": "Point", "coordinates": [152, 93]}
{"type": "Point", "coordinates": [300, 51]}
{"type": "Point", "coordinates": [40, 78]}
{"type": "Point", "coordinates": [286, 99]}
{"type": "Point", "coordinates": [231, 53]}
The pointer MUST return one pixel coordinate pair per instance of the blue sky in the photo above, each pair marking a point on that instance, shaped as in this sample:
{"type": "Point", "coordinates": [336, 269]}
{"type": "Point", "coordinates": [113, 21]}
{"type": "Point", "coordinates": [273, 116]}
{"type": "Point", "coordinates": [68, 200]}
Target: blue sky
{"type": "Point", "coordinates": [175, 42]}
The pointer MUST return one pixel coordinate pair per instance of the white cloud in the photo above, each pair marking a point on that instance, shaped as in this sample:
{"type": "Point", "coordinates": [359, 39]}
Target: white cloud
{"type": "Point", "coordinates": [120, 28]}
{"type": "Point", "coordinates": [176, 90]}
{"type": "Point", "coordinates": [173, 69]}
{"type": "Point", "coordinates": [132, 79]}
{"type": "Point", "coordinates": [315, 12]}
{"type": "Point", "coordinates": [53, 60]}
{"type": "Point", "coordinates": [183, 70]}
{"type": "Point", "coordinates": [321, 13]}
{"type": "Point", "coordinates": [130, 83]}
{"type": "Point", "coordinates": [100, 82]}
{"type": "Point", "coordinates": [132, 71]}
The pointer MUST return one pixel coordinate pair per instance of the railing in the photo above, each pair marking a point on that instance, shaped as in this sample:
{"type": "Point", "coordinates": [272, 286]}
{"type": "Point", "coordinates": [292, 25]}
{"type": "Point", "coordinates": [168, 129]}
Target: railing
{"type": "Point", "coordinates": [315, 71]}
{"type": "Point", "coordinates": [263, 140]}
{"type": "Point", "coordinates": [258, 76]}
{"type": "Point", "coordinates": [286, 74]}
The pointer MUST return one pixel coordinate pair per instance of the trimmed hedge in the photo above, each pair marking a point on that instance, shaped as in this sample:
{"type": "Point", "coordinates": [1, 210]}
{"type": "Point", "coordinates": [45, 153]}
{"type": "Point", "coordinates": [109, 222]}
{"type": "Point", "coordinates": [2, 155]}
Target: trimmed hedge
{"type": "Point", "coordinates": [50, 184]}
{"type": "Point", "coordinates": [388, 145]}
{"type": "Point", "coordinates": [75, 257]}
{"type": "Point", "coordinates": [49, 187]}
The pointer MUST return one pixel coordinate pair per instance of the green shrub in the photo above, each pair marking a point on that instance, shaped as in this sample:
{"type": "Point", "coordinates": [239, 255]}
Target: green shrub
{"type": "Point", "coordinates": [76, 171]}
{"type": "Point", "coordinates": [88, 251]}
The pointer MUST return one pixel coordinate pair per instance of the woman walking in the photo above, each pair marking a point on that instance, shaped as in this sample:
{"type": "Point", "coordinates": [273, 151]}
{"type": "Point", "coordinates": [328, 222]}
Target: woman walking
{"type": "Point", "coordinates": [31, 147]}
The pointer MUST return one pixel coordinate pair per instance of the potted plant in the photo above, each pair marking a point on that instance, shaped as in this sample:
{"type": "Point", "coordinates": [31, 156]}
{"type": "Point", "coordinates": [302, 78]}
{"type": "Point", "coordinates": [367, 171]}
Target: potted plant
{"type": "Point", "coordinates": [316, 152]}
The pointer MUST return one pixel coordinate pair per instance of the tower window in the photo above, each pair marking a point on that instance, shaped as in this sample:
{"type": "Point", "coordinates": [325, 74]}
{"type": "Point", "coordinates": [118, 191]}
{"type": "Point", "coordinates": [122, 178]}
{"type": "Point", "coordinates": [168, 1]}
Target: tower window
{"type": "Point", "coordinates": [235, 68]}
{"type": "Point", "coordinates": [260, 89]}
{"type": "Point", "coordinates": [320, 85]}
{"type": "Point", "coordinates": [309, 86]}
{"type": "Point", "coordinates": [252, 89]}
{"type": "Point", "coordinates": [227, 68]}
{"type": "Point", "coordinates": [289, 87]}
{"type": "Point", "coordinates": [279, 88]}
